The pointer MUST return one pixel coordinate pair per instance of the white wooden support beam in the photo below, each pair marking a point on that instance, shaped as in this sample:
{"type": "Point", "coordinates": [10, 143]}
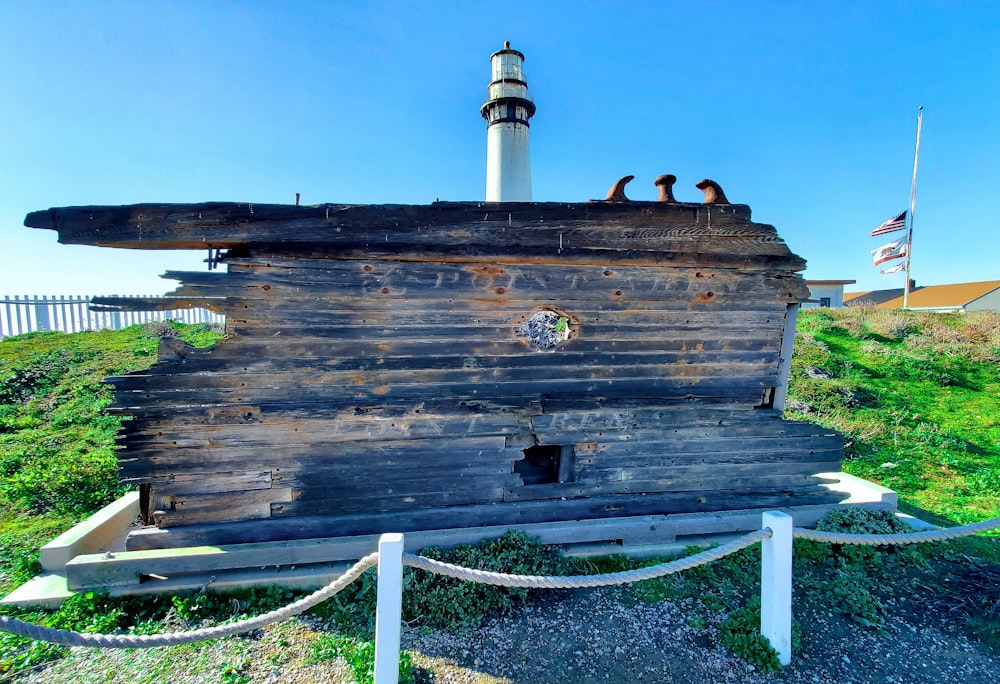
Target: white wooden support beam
{"type": "Point", "coordinates": [776, 584]}
{"type": "Point", "coordinates": [388, 610]}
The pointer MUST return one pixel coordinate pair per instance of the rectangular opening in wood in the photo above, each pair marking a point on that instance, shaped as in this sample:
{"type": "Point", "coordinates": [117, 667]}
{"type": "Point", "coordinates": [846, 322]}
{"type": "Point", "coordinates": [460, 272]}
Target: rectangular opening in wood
{"type": "Point", "coordinates": [766, 399]}
{"type": "Point", "coordinates": [546, 464]}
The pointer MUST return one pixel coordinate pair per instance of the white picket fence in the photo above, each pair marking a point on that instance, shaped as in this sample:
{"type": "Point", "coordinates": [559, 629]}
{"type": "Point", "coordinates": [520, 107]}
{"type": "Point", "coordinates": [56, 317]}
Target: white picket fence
{"type": "Point", "coordinates": [24, 314]}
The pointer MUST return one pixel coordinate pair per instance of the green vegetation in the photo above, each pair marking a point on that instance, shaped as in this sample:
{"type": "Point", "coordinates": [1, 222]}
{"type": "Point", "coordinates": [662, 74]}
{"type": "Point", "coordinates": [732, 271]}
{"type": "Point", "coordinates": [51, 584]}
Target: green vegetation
{"type": "Point", "coordinates": [57, 447]}
{"type": "Point", "coordinates": [360, 657]}
{"type": "Point", "coordinates": [845, 576]}
{"type": "Point", "coordinates": [740, 633]}
{"type": "Point", "coordinates": [914, 394]}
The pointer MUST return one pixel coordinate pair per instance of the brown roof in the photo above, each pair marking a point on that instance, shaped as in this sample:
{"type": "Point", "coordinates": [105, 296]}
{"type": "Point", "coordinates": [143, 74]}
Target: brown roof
{"type": "Point", "coordinates": [943, 296]}
{"type": "Point", "coordinates": [871, 297]}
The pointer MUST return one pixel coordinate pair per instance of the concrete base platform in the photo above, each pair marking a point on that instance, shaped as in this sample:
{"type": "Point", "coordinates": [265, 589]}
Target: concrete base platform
{"type": "Point", "coordinates": [92, 556]}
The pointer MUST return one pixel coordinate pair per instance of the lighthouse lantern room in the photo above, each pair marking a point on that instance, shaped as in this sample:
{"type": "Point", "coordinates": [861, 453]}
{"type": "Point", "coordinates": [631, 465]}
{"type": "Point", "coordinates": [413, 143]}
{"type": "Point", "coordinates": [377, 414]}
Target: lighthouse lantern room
{"type": "Point", "coordinates": [507, 109]}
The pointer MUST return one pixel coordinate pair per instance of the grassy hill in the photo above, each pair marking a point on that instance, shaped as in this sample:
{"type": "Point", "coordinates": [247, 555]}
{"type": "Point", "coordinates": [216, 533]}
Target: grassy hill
{"type": "Point", "coordinates": [915, 393]}
{"type": "Point", "coordinates": [57, 448]}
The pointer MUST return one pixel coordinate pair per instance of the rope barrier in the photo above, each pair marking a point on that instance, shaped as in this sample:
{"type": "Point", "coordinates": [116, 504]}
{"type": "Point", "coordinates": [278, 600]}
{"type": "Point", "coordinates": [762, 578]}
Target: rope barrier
{"type": "Point", "coordinates": [69, 638]}
{"type": "Point", "coordinates": [895, 539]}
{"type": "Point", "coordinates": [582, 581]}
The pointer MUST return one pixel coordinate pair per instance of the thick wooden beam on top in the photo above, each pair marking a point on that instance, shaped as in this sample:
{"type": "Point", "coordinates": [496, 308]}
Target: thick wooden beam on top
{"type": "Point", "coordinates": [450, 230]}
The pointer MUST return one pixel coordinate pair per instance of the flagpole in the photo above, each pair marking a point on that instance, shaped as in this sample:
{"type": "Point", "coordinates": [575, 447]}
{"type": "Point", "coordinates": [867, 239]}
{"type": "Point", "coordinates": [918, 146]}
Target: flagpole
{"type": "Point", "coordinates": [913, 204]}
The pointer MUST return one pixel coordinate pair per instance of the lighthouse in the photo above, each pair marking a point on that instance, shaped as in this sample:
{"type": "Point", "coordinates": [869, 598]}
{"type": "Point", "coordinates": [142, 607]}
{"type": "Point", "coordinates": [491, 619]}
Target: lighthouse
{"type": "Point", "coordinates": [507, 109]}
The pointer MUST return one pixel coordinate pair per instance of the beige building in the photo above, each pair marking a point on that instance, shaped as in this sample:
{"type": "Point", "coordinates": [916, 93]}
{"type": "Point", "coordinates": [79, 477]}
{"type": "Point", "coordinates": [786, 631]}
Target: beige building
{"type": "Point", "coordinates": [978, 296]}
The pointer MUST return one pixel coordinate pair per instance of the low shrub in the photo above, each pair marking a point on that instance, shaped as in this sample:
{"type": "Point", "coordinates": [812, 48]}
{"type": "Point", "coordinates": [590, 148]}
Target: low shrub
{"type": "Point", "coordinates": [864, 558]}
{"type": "Point", "coordinates": [740, 633]}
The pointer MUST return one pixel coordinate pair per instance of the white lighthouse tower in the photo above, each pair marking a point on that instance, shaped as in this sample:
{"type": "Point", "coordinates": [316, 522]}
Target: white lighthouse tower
{"type": "Point", "coordinates": [507, 109]}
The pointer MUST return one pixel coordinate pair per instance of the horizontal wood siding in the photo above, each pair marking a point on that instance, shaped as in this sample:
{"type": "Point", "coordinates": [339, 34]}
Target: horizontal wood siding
{"type": "Point", "coordinates": [375, 374]}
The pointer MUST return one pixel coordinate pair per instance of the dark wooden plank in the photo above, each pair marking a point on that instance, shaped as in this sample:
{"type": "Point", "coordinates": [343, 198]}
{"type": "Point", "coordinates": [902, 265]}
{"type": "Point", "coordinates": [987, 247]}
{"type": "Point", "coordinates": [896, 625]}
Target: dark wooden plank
{"type": "Point", "coordinates": [736, 428]}
{"type": "Point", "coordinates": [588, 416]}
{"type": "Point", "coordinates": [461, 229]}
{"type": "Point", "coordinates": [437, 279]}
{"type": "Point", "coordinates": [339, 423]}
{"type": "Point", "coordinates": [746, 388]}
{"type": "Point", "coordinates": [300, 463]}
{"type": "Point", "coordinates": [380, 503]}
{"type": "Point", "coordinates": [198, 369]}
{"type": "Point", "coordinates": [196, 285]}
{"type": "Point", "coordinates": [413, 315]}
{"type": "Point", "coordinates": [288, 526]}
{"type": "Point", "coordinates": [551, 510]}
{"type": "Point", "coordinates": [291, 409]}
{"type": "Point", "coordinates": [655, 486]}
{"type": "Point", "coordinates": [705, 476]}
{"type": "Point", "coordinates": [167, 484]}
{"type": "Point", "coordinates": [367, 487]}
{"type": "Point", "coordinates": [115, 303]}
{"type": "Point", "coordinates": [606, 451]}
{"type": "Point", "coordinates": [318, 431]}
{"type": "Point", "coordinates": [739, 364]}
{"type": "Point", "coordinates": [229, 506]}
{"type": "Point", "coordinates": [480, 335]}
{"type": "Point", "coordinates": [264, 303]}
{"type": "Point", "coordinates": [588, 463]}
{"type": "Point", "coordinates": [381, 347]}
{"type": "Point", "coordinates": [275, 458]}
{"type": "Point", "coordinates": [400, 475]}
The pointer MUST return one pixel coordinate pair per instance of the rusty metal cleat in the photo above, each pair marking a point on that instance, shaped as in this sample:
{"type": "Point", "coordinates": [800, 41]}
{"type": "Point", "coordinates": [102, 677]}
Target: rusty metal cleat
{"type": "Point", "coordinates": [666, 185]}
{"type": "Point", "coordinates": [617, 191]}
{"type": "Point", "coordinates": [713, 193]}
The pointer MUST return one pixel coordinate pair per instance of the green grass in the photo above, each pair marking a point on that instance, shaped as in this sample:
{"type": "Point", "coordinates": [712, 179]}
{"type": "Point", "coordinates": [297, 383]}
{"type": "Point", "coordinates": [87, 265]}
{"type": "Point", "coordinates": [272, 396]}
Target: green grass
{"type": "Point", "coordinates": [57, 447]}
{"type": "Point", "coordinates": [915, 394]}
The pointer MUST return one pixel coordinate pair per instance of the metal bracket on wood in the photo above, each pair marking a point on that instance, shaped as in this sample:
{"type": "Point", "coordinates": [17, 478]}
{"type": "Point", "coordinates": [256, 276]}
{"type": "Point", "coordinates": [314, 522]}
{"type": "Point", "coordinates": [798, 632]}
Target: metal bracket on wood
{"type": "Point", "coordinates": [214, 258]}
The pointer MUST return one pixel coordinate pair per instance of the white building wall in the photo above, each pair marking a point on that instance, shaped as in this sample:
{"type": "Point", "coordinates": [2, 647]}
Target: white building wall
{"type": "Point", "coordinates": [508, 163]}
{"type": "Point", "coordinates": [835, 293]}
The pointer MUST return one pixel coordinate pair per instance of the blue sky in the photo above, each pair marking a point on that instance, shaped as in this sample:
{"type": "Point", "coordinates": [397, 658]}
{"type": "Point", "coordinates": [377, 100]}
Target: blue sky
{"type": "Point", "coordinates": [806, 111]}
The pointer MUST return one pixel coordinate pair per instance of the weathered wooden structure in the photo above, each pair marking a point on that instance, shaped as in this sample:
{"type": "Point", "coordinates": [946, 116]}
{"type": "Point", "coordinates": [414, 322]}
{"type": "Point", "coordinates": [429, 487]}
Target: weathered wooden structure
{"type": "Point", "coordinates": [458, 364]}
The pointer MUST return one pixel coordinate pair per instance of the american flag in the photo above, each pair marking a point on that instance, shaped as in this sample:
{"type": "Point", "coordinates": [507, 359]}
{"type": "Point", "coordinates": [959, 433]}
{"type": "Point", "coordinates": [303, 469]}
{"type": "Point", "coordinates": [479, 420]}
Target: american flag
{"type": "Point", "coordinates": [897, 222]}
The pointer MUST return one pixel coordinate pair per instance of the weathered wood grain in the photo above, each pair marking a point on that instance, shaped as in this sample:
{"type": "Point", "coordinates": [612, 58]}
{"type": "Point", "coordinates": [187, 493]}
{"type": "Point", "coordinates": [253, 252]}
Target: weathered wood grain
{"type": "Point", "coordinates": [605, 506]}
{"type": "Point", "coordinates": [373, 373]}
{"type": "Point", "coordinates": [542, 230]}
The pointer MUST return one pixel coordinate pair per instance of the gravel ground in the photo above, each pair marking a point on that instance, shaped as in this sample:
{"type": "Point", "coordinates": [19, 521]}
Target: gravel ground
{"type": "Point", "coordinates": [591, 637]}
{"type": "Point", "coordinates": [587, 637]}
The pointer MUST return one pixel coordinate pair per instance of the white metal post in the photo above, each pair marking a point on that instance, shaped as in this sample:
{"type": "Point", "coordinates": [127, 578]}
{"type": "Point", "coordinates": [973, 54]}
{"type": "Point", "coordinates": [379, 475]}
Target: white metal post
{"type": "Point", "coordinates": [388, 609]}
{"type": "Point", "coordinates": [776, 584]}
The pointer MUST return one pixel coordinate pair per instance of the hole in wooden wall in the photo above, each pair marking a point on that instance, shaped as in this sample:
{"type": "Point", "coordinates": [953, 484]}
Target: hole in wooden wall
{"type": "Point", "coordinates": [546, 464]}
{"type": "Point", "coordinates": [545, 329]}
{"type": "Point", "coordinates": [540, 464]}
{"type": "Point", "coordinates": [766, 399]}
